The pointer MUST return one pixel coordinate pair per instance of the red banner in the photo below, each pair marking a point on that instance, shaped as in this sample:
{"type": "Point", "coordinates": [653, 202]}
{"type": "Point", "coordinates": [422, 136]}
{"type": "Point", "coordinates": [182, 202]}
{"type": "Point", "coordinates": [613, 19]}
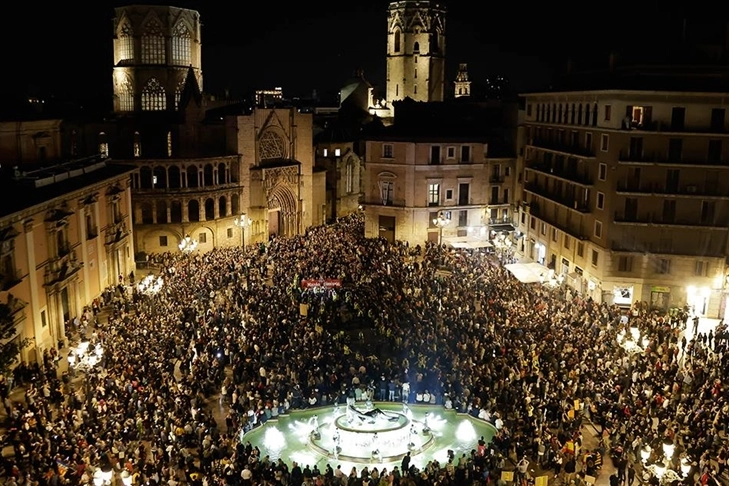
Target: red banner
{"type": "Point", "coordinates": [326, 283]}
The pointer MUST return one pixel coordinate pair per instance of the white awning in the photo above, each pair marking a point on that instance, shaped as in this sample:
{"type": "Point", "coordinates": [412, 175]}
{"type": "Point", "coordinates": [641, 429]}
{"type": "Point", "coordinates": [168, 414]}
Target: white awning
{"type": "Point", "coordinates": [467, 242]}
{"type": "Point", "coordinates": [527, 272]}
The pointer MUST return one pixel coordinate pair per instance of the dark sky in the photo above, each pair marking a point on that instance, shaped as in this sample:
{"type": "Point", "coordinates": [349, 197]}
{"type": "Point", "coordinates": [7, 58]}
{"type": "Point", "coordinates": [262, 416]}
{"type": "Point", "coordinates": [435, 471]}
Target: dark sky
{"type": "Point", "coordinates": [303, 46]}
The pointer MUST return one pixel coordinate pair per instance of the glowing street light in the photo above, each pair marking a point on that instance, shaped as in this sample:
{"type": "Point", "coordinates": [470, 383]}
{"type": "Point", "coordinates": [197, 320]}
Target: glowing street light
{"type": "Point", "coordinates": [243, 222]}
{"type": "Point", "coordinates": [441, 221]}
{"type": "Point", "coordinates": [187, 244]}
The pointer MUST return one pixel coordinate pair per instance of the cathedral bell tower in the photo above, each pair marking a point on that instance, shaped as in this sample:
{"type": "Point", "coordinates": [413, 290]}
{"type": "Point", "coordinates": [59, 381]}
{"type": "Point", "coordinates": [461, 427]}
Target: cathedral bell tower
{"type": "Point", "coordinates": [462, 84]}
{"type": "Point", "coordinates": [415, 50]}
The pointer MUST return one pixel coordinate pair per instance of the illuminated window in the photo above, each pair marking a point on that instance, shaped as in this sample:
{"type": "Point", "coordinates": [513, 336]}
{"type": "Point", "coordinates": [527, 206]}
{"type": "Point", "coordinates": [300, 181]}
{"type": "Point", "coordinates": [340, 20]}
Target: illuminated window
{"type": "Point", "coordinates": [325, 152]}
{"type": "Point", "coordinates": [397, 41]}
{"type": "Point", "coordinates": [178, 93]}
{"type": "Point", "coordinates": [433, 194]}
{"type": "Point", "coordinates": [137, 145]}
{"type": "Point", "coordinates": [337, 152]}
{"type": "Point", "coordinates": [181, 45]}
{"type": "Point", "coordinates": [169, 144]}
{"type": "Point", "coordinates": [103, 145]}
{"type": "Point", "coordinates": [350, 176]}
{"type": "Point", "coordinates": [153, 44]}
{"type": "Point", "coordinates": [153, 96]}
{"type": "Point", "coordinates": [126, 96]}
{"type": "Point", "coordinates": [126, 43]}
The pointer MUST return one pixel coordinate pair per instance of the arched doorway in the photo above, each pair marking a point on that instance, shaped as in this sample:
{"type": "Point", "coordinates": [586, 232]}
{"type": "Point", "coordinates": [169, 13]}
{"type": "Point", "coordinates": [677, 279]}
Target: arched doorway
{"type": "Point", "coordinates": [282, 212]}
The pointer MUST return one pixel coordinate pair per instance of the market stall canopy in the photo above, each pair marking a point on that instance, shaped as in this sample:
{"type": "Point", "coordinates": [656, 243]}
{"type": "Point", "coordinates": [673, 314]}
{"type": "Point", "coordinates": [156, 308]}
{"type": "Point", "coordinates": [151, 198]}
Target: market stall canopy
{"type": "Point", "coordinates": [527, 272]}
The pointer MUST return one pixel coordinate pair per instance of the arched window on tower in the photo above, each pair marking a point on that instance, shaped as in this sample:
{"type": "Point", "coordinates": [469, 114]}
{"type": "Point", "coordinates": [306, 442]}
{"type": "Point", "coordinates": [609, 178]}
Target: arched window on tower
{"type": "Point", "coordinates": [169, 144]}
{"type": "Point", "coordinates": [416, 48]}
{"type": "Point", "coordinates": [126, 43]}
{"type": "Point", "coordinates": [153, 96]}
{"type": "Point", "coordinates": [126, 96]}
{"type": "Point", "coordinates": [153, 43]}
{"type": "Point", "coordinates": [137, 145]}
{"type": "Point", "coordinates": [103, 145]}
{"type": "Point", "coordinates": [178, 93]}
{"type": "Point", "coordinates": [397, 41]}
{"type": "Point", "coordinates": [350, 177]}
{"type": "Point", "coordinates": [181, 53]}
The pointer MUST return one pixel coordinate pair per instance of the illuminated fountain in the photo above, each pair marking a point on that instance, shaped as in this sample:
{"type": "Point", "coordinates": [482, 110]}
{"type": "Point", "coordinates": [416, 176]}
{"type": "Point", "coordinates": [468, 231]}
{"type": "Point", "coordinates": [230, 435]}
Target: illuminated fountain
{"type": "Point", "coordinates": [369, 435]}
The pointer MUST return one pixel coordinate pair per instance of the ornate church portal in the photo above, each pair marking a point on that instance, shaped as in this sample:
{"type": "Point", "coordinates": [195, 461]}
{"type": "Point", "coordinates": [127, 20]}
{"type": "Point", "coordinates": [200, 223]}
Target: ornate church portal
{"type": "Point", "coordinates": [280, 186]}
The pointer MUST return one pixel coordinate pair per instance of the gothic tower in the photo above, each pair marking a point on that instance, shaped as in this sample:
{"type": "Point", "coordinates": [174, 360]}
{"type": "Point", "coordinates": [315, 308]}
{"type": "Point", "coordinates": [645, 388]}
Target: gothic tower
{"type": "Point", "coordinates": [154, 49]}
{"type": "Point", "coordinates": [415, 50]}
{"type": "Point", "coordinates": [462, 84]}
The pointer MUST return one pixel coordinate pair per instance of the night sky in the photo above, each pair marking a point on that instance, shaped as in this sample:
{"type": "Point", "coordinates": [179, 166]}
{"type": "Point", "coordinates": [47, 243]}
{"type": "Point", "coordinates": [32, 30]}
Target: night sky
{"type": "Point", "coordinates": [305, 46]}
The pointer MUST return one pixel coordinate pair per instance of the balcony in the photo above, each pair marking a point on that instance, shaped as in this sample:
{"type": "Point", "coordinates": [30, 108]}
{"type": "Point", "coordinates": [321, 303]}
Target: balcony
{"type": "Point", "coordinates": [117, 231]}
{"type": "Point", "coordinates": [497, 179]}
{"type": "Point", "coordinates": [666, 127]}
{"type": "Point", "coordinates": [498, 201]}
{"type": "Point", "coordinates": [568, 202]}
{"type": "Point", "coordinates": [656, 158]}
{"type": "Point", "coordinates": [9, 280]}
{"type": "Point", "coordinates": [564, 148]}
{"type": "Point", "coordinates": [62, 268]}
{"type": "Point", "coordinates": [654, 219]}
{"type": "Point", "coordinates": [573, 228]}
{"type": "Point", "coordinates": [662, 249]}
{"type": "Point", "coordinates": [658, 189]}
{"type": "Point", "coordinates": [570, 175]}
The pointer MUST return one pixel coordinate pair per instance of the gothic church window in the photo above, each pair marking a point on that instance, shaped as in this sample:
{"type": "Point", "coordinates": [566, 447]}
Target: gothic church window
{"type": "Point", "coordinates": [178, 93]}
{"type": "Point", "coordinates": [181, 45]}
{"type": "Point", "coordinates": [153, 44]}
{"type": "Point", "coordinates": [350, 177]}
{"type": "Point", "coordinates": [126, 96]}
{"type": "Point", "coordinates": [126, 43]}
{"type": "Point", "coordinates": [153, 96]}
{"type": "Point", "coordinates": [103, 145]}
{"type": "Point", "coordinates": [397, 41]}
{"type": "Point", "coordinates": [169, 144]}
{"type": "Point", "coordinates": [137, 145]}
{"type": "Point", "coordinates": [416, 48]}
{"type": "Point", "coordinates": [272, 146]}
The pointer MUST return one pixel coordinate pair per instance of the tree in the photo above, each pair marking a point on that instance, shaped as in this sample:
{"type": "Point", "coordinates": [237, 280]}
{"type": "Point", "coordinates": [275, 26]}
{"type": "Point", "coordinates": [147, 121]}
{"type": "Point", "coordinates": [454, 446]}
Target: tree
{"type": "Point", "coordinates": [9, 347]}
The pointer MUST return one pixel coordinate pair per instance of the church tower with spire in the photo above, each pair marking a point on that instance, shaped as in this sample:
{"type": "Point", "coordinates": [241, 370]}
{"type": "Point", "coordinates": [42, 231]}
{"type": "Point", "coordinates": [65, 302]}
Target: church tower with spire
{"type": "Point", "coordinates": [462, 84]}
{"type": "Point", "coordinates": [155, 48]}
{"type": "Point", "coordinates": [415, 50]}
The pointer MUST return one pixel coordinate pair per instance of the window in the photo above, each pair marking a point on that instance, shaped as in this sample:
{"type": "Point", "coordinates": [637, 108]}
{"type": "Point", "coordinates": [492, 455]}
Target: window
{"type": "Point", "coordinates": [533, 223]}
{"type": "Point", "coordinates": [608, 112]}
{"type": "Point", "coordinates": [386, 192]}
{"type": "Point", "coordinates": [8, 272]}
{"type": "Point", "coordinates": [163, 240]}
{"type": "Point", "coordinates": [663, 266]}
{"type": "Point", "coordinates": [433, 194]}
{"type": "Point", "coordinates": [595, 256]}
{"type": "Point", "coordinates": [103, 145]}
{"type": "Point", "coordinates": [600, 200]}
{"type": "Point", "coordinates": [435, 154]}
{"type": "Point", "coordinates": [169, 144]}
{"type": "Point", "coordinates": [465, 153]}
{"type": "Point", "coordinates": [554, 234]}
{"type": "Point", "coordinates": [44, 318]}
{"type": "Point", "coordinates": [544, 228]}
{"type": "Point", "coordinates": [137, 145]}
{"type": "Point", "coordinates": [451, 153]}
{"type": "Point", "coordinates": [625, 264]}
{"type": "Point", "coordinates": [678, 118]}
{"type": "Point", "coordinates": [230, 232]}
{"type": "Point", "coordinates": [178, 93]}
{"type": "Point", "coordinates": [386, 151]}
{"type": "Point", "coordinates": [462, 218]}
{"type": "Point", "coordinates": [598, 229]}
{"type": "Point", "coordinates": [523, 217]}
{"type": "Point", "coordinates": [337, 152]}
{"type": "Point", "coordinates": [602, 172]}
{"type": "Point", "coordinates": [714, 151]}
{"type": "Point", "coordinates": [349, 177]}
{"type": "Point", "coordinates": [126, 43]}
{"type": "Point", "coordinates": [126, 96]}
{"type": "Point", "coordinates": [397, 41]}
{"type": "Point", "coordinates": [325, 152]}
{"type": "Point", "coordinates": [153, 96]}
{"type": "Point", "coordinates": [580, 249]}
{"type": "Point", "coordinates": [701, 269]}
{"type": "Point", "coordinates": [153, 44]}
{"type": "Point", "coordinates": [181, 45]}
{"type": "Point", "coordinates": [604, 142]}
{"type": "Point", "coordinates": [718, 116]}
{"type": "Point", "coordinates": [202, 238]}
{"type": "Point", "coordinates": [449, 194]}
{"type": "Point", "coordinates": [588, 141]}
{"type": "Point", "coordinates": [567, 241]}
{"type": "Point", "coordinates": [529, 110]}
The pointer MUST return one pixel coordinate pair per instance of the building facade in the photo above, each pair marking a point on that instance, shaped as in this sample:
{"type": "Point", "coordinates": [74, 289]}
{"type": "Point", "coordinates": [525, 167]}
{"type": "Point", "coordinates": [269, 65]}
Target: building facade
{"type": "Point", "coordinates": [66, 240]}
{"type": "Point", "coordinates": [337, 158]}
{"type": "Point", "coordinates": [154, 48]}
{"type": "Point", "coordinates": [416, 38]}
{"type": "Point", "coordinates": [627, 194]}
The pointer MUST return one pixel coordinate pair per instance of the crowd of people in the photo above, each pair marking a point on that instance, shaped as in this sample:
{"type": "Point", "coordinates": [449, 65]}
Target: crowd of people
{"type": "Point", "coordinates": [233, 328]}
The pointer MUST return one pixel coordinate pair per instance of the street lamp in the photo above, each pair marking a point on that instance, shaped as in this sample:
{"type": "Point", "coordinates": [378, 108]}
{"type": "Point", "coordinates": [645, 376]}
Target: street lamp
{"type": "Point", "coordinates": [441, 221]}
{"type": "Point", "coordinates": [243, 222]}
{"type": "Point", "coordinates": [187, 244]}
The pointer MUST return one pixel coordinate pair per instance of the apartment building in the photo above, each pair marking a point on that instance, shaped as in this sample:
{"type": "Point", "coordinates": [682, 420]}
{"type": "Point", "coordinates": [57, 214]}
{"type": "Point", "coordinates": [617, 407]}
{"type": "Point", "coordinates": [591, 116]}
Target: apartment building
{"type": "Point", "coordinates": [439, 174]}
{"type": "Point", "coordinates": [626, 194]}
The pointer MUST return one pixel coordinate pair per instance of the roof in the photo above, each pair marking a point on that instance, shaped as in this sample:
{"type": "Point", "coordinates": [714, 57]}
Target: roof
{"type": "Point", "coordinates": [191, 91]}
{"type": "Point", "coordinates": [28, 195]}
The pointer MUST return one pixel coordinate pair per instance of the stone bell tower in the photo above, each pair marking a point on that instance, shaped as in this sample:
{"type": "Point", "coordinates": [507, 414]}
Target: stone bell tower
{"type": "Point", "coordinates": [154, 49]}
{"type": "Point", "coordinates": [415, 50]}
{"type": "Point", "coordinates": [462, 84]}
